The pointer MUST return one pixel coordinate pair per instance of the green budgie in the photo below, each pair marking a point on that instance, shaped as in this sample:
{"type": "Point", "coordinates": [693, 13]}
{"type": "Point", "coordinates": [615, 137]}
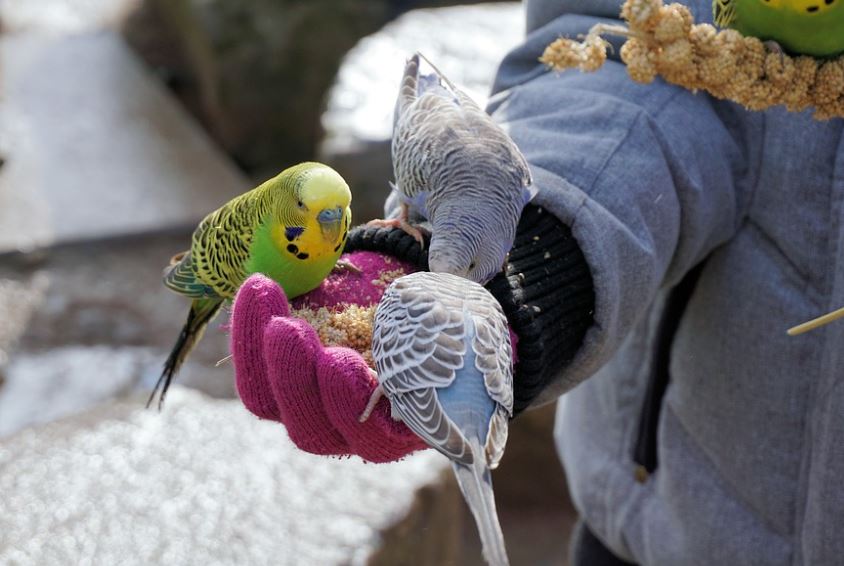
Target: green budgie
{"type": "Point", "coordinates": [801, 27]}
{"type": "Point", "coordinates": [292, 228]}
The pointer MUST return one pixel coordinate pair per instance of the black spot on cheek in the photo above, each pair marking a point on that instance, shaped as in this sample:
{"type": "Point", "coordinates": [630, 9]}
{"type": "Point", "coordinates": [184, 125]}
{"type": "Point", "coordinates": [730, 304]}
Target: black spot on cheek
{"type": "Point", "coordinates": [293, 232]}
{"type": "Point", "coordinates": [812, 9]}
{"type": "Point", "coordinates": [293, 248]}
{"type": "Point", "coordinates": [302, 255]}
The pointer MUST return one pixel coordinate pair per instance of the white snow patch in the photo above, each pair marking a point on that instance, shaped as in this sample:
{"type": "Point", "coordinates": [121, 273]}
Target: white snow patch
{"type": "Point", "coordinates": [41, 387]}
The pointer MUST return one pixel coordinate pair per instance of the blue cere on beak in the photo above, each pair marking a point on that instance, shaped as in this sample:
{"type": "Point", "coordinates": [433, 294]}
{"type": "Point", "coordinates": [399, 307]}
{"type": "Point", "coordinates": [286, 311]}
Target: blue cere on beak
{"type": "Point", "coordinates": [330, 215]}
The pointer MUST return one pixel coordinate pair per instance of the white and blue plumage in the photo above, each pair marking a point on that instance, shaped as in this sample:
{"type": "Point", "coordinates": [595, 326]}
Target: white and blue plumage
{"type": "Point", "coordinates": [444, 360]}
{"type": "Point", "coordinates": [459, 170]}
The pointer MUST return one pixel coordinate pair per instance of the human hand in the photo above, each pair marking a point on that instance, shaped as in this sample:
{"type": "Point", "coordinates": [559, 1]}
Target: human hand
{"type": "Point", "coordinates": [284, 371]}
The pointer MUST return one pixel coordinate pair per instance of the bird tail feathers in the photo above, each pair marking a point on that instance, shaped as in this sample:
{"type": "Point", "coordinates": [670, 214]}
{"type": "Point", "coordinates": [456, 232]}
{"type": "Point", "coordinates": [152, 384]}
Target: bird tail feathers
{"type": "Point", "coordinates": [414, 83]}
{"type": "Point", "coordinates": [440, 78]}
{"type": "Point", "coordinates": [475, 482]}
{"type": "Point", "coordinates": [201, 313]}
{"type": "Point", "coordinates": [407, 89]}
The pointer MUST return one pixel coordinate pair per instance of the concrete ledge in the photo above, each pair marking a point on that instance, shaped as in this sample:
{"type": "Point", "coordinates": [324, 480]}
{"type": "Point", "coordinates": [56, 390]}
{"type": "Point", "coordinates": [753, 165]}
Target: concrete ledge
{"type": "Point", "coordinates": [94, 146]}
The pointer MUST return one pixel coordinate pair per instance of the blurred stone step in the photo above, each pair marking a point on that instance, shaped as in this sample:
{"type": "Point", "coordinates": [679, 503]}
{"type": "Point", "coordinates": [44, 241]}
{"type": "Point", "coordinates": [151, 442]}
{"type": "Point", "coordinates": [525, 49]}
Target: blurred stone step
{"type": "Point", "coordinates": [18, 301]}
{"type": "Point", "coordinates": [205, 482]}
{"type": "Point", "coordinates": [61, 17]}
{"type": "Point", "coordinates": [95, 305]}
{"type": "Point", "coordinates": [44, 386]}
{"type": "Point", "coordinates": [95, 147]}
{"type": "Point", "coordinates": [466, 43]}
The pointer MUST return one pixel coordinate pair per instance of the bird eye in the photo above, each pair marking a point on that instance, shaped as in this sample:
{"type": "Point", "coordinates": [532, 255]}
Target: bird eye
{"type": "Point", "coordinates": [300, 204]}
{"type": "Point", "coordinates": [471, 266]}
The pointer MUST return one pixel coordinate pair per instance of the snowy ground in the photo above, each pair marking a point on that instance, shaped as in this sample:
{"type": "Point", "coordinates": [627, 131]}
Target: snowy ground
{"type": "Point", "coordinates": [87, 323]}
{"type": "Point", "coordinates": [125, 485]}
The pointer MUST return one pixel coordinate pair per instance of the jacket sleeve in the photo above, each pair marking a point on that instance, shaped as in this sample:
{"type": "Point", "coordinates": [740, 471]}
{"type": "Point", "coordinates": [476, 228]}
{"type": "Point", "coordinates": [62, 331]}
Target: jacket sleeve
{"type": "Point", "coordinates": [649, 178]}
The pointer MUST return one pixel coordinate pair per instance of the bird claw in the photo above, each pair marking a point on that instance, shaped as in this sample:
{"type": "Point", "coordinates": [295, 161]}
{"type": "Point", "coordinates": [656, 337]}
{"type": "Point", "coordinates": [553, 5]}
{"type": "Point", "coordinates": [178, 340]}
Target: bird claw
{"type": "Point", "coordinates": [346, 265]}
{"type": "Point", "coordinates": [177, 258]}
{"type": "Point", "coordinates": [373, 400]}
{"type": "Point", "coordinates": [403, 225]}
{"type": "Point", "coordinates": [774, 47]}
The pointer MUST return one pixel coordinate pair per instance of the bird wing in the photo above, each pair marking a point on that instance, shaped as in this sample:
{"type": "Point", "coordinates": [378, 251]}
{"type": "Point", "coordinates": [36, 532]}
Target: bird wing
{"type": "Point", "coordinates": [180, 276]}
{"type": "Point", "coordinates": [417, 339]}
{"type": "Point", "coordinates": [491, 344]}
{"type": "Point", "coordinates": [724, 12]}
{"type": "Point", "coordinates": [222, 242]}
{"type": "Point", "coordinates": [418, 345]}
{"type": "Point", "coordinates": [494, 359]}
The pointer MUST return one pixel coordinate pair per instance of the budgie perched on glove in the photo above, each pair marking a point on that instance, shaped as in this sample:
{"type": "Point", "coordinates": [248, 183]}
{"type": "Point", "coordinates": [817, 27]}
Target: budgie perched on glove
{"type": "Point", "coordinates": [444, 359]}
{"type": "Point", "coordinates": [458, 169]}
{"type": "Point", "coordinates": [292, 228]}
{"type": "Point", "coordinates": [802, 27]}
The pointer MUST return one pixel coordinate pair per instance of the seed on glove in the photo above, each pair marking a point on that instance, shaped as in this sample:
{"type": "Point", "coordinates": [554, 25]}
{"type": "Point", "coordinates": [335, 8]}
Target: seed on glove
{"type": "Point", "coordinates": [350, 327]}
{"type": "Point", "coordinates": [387, 277]}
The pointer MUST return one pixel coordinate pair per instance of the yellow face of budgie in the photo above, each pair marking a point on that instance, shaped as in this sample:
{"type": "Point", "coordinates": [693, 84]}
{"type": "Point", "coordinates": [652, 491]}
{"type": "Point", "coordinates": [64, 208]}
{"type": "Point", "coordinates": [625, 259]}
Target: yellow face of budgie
{"type": "Point", "coordinates": [319, 217]}
{"type": "Point", "coordinates": [323, 188]}
{"type": "Point", "coordinates": [805, 7]}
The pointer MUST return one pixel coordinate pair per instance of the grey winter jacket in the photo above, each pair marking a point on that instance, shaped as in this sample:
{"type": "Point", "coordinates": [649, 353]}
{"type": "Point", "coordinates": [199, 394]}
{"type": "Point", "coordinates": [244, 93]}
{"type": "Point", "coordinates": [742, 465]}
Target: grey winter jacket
{"type": "Point", "coordinates": [652, 180]}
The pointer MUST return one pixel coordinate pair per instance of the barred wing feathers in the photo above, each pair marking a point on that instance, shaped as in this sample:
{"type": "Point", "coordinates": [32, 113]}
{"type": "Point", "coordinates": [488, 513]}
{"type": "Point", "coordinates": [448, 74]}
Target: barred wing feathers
{"type": "Point", "coordinates": [419, 345]}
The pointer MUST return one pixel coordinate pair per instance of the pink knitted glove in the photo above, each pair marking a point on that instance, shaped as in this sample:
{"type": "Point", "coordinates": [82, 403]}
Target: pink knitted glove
{"type": "Point", "coordinates": [284, 373]}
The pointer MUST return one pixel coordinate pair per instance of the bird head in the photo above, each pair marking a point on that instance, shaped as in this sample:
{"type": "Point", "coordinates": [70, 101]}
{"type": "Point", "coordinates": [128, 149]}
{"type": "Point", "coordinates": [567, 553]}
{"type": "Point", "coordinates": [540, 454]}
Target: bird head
{"type": "Point", "coordinates": [473, 245]}
{"type": "Point", "coordinates": [323, 199]}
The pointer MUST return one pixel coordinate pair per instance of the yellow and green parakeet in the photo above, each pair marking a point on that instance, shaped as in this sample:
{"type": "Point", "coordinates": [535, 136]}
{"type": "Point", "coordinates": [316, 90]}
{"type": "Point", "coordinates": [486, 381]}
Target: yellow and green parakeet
{"type": "Point", "coordinates": [292, 228]}
{"type": "Point", "coordinates": [801, 27]}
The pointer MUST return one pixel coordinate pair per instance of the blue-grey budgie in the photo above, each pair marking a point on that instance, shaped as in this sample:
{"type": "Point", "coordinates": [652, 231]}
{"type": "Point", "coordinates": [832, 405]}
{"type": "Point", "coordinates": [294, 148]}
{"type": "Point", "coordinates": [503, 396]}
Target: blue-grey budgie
{"type": "Point", "coordinates": [457, 169]}
{"type": "Point", "coordinates": [444, 360]}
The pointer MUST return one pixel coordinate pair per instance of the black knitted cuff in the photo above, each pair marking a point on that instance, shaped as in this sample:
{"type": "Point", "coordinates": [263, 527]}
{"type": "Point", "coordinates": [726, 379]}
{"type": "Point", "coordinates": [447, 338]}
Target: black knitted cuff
{"type": "Point", "coordinates": [545, 290]}
{"type": "Point", "coordinates": [393, 241]}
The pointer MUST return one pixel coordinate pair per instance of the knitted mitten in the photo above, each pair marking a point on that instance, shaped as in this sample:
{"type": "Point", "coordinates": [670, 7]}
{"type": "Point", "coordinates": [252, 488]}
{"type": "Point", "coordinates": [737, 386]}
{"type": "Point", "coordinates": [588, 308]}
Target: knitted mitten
{"type": "Point", "coordinates": [284, 373]}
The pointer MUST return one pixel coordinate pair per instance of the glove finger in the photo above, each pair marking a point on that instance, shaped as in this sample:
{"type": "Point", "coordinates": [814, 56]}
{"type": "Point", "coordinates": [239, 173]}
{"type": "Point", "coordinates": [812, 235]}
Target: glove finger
{"type": "Point", "coordinates": [346, 385]}
{"type": "Point", "coordinates": [257, 301]}
{"type": "Point", "coordinates": [291, 348]}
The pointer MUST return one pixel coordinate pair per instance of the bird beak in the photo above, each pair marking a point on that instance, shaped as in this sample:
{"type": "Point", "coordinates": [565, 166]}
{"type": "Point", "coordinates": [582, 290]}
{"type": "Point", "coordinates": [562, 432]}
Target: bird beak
{"type": "Point", "coordinates": [331, 223]}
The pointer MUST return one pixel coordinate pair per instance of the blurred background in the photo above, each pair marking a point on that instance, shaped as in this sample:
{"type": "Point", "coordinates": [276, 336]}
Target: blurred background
{"type": "Point", "coordinates": [124, 122]}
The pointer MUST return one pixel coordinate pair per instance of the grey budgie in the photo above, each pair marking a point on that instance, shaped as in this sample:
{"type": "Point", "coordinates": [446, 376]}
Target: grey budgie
{"type": "Point", "coordinates": [459, 170]}
{"type": "Point", "coordinates": [444, 360]}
